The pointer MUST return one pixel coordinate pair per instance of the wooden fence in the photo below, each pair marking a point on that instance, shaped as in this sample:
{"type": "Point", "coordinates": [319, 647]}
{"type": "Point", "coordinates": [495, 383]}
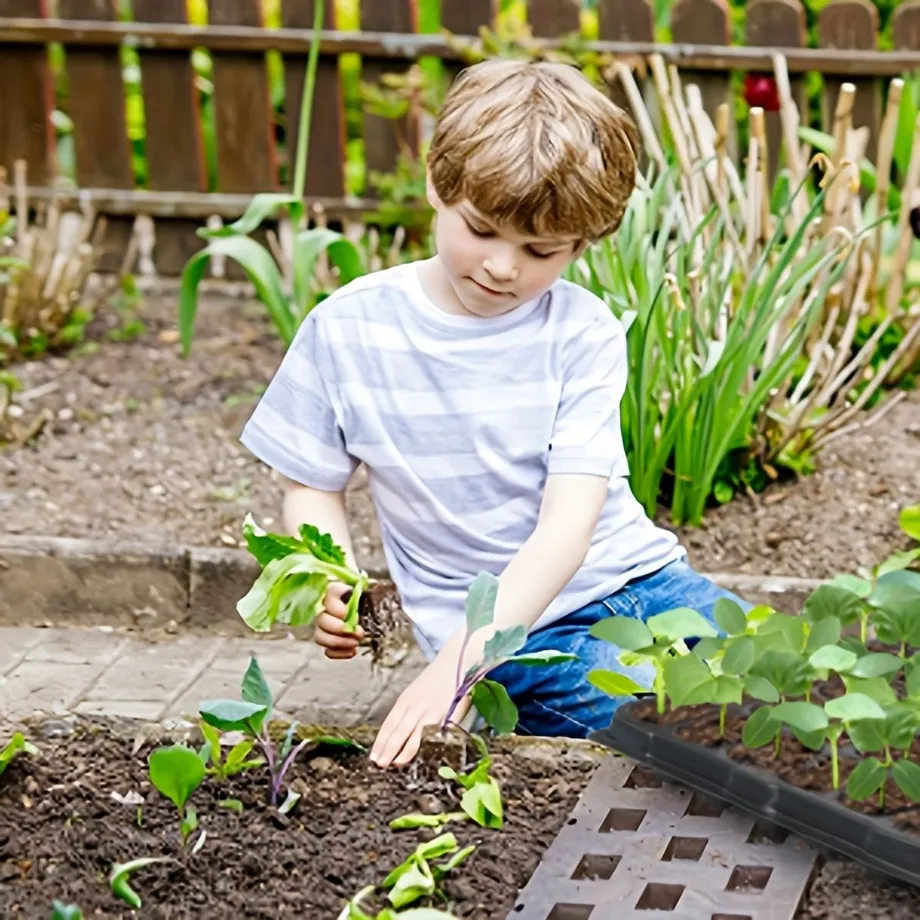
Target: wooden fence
{"type": "Point", "coordinates": [178, 193]}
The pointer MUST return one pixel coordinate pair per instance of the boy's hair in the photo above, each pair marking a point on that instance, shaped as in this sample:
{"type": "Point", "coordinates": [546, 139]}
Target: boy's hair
{"type": "Point", "coordinates": [535, 146]}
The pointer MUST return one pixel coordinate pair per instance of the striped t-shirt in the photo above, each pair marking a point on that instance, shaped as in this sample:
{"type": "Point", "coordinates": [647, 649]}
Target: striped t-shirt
{"type": "Point", "coordinates": [459, 420]}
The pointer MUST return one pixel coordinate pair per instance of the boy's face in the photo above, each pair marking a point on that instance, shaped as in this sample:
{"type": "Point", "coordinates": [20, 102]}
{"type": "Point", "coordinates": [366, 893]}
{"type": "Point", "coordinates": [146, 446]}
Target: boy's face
{"type": "Point", "coordinates": [490, 269]}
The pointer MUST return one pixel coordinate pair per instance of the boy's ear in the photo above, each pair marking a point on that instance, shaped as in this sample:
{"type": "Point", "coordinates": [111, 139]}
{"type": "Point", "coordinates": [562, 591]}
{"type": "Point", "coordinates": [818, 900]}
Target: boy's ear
{"type": "Point", "coordinates": [430, 193]}
{"type": "Point", "coordinates": [580, 249]}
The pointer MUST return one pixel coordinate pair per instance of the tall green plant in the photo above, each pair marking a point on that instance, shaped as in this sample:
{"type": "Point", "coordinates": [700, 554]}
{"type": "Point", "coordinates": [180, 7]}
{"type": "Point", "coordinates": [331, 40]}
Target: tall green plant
{"type": "Point", "coordinates": [702, 370]}
{"type": "Point", "coordinates": [290, 298]}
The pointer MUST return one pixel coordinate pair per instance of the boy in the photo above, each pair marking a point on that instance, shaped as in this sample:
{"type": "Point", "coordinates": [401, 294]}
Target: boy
{"type": "Point", "coordinates": [482, 392]}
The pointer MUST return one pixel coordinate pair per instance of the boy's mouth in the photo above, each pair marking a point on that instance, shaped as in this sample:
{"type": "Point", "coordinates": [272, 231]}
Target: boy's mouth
{"type": "Point", "coordinates": [488, 290]}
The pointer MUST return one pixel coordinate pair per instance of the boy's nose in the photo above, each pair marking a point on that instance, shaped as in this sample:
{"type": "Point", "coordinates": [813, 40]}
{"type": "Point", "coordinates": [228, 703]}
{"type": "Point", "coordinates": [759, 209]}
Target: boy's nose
{"type": "Point", "coordinates": [501, 268]}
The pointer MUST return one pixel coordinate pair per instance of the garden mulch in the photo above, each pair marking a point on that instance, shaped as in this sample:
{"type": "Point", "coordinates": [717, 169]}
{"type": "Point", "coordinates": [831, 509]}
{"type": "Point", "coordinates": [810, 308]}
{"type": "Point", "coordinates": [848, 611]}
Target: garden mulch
{"type": "Point", "coordinates": [143, 445]}
{"type": "Point", "coordinates": [61, 830]}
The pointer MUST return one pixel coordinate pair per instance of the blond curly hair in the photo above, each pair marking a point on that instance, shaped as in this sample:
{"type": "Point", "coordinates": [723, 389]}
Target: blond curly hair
{"type": "Point", "coordinates": [535, 146]}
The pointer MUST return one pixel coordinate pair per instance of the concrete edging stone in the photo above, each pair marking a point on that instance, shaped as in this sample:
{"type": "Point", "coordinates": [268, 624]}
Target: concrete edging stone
{"type": "Point", "coordinates": [63, 581]}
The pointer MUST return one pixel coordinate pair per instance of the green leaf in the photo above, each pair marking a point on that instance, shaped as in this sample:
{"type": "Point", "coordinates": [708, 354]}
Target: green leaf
{"type": "Point", "coordinates": [413, 882]}
{"type": "Point", "coordinates": [801, 716]}
{"type": "Point", "coordinates": [261, 208]}
{"type": "Point", "coordinates": [61, 911]}
{"type": "Point", "coordinates": [682, 623]}
{"type": "Point", "coordinates": [782, 633]}
{"type": "Point", "coordinates": [788, 672]}
{"type": "Point", "coordinates": [825, 631]}
{"type": "Point", "coordinates": [897, 562]}
{"type": "Point", "coordinates": [120, 874]}
{"type": "Point", "coordinates": [176, 772]}
{"type": "Point", "coordinates": [833, 658]}
{"type": "Point", "coordinates": [265, 546]}
{"type": "Point", "coordinates": [730, 617]}
{"type": "Point", "coordinates": [861, 587]}
{"type": "Point", "coordinates": [867, 735]}
{"type": "Point", "coordinates": [709, 648]}
{"type": "Point", "coordinates": [728, 689]}
{"type": "Point", "coordinates": [442, 869]}
{"type": "Point", "coordinates": [231, 805]}
{"type": "Point", "coordinates": [906, 775]}
{"type": "Point", "coordinates": [760, 728]}
{"type": "Point", "coordinates": [502, 645]}
{"type": "Point", "coordinates": [233, 715]}
{"type": "Point", "coordinates": [614, 684]}
{"type": "Point", "coordinates": [289, 590]}
{"type": "Point", "coordinates": [760, 689]}
{"type": "Point", "coordinates": [866, 779]}
{"type": "Point", "coordinates": [547, 656]}
{"type": "Point", "coordinates": [254, 687]}
{"type": "Point", "coordinates": [625, 632]}
{"type": "Point", "coordinates": [480, 601]}
{"type": "Point", "coordinates": [16, 745]}
{"type": "Point", "coordinates": [876, 688]}
{"type": "Point", "coordinates": [739, 656]}
{"type": "Point", "coordinates": [212, 741]}
{"type": "Point", "coordinates": [909, 520]}
{"type": "Point", "coordinates": [483, 803]}
{"type": "Point", "coordinates": [877, 664]}
{"type": "Point", "coordinates": [494, 704]}
{"type": "Point", "coordinates": [832, 600]}
{"type": "Point", "coordinates": [417, 820]}
{"type": "Point", "coordinates": [321, 545]}
{"type": "Point", "coordinates": [290, 800]}
{"type": "Point", "coordinates": [685, 676]}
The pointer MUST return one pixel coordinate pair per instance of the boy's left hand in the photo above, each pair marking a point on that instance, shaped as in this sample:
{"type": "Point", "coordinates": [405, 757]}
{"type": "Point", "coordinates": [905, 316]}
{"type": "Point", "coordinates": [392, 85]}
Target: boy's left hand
{"type": "Point", "coordinates": [422, 704]}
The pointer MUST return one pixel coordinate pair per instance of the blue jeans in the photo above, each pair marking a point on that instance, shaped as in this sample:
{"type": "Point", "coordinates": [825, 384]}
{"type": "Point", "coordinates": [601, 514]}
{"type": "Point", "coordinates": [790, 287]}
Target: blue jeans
{"type": "Point", "coordinates": [557, 700]}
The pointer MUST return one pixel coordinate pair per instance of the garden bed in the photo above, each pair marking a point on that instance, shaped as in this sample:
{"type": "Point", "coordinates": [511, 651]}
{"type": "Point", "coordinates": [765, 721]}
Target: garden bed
{"type": "Point", "coordinates": [152, 440]}
{"type": "Point", "coordinates": [61, 829]}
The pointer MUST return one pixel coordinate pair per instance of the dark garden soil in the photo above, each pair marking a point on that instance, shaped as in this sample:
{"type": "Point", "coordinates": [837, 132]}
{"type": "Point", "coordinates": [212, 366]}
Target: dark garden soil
{"type": "Point", "coordinates": [61, 829]}
{"type": "Point", "coordinates": [143, 445]}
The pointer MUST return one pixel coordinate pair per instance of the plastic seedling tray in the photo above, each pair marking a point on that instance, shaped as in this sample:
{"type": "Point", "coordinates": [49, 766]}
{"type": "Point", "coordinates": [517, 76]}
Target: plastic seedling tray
{"type": "Point", "coordinates": [816, 817]}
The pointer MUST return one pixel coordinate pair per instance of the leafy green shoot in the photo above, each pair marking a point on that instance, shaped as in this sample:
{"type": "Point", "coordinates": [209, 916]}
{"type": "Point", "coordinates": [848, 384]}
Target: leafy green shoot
{"type": "Point", "coordinates": [176, 772]}
{"type": "Point", "coordinates": [16, 745]}
{"type": "Point", "coordinates": [842, 712]}
{"type": "Point", "coordinates": [417, 877]}
{"type": "Point", "coordinates": [119, 878]}
{"type": "Point", "coordinates": [482, 798]}
{"type": "Point", "coordinates": [61, 911]}
{"type": "Point", "coordinates": [237, 759]}
{"type": "Point", "coordinates": [656, 641]}
{"type": "Point", "coordinates": [354, 910]}
{"type": "Point", "coordinates": [296, 572]}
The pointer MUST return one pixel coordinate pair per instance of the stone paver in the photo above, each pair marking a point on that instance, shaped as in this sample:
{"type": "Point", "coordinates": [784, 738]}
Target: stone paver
{"type": "Point", "coordinates": [106, 672]}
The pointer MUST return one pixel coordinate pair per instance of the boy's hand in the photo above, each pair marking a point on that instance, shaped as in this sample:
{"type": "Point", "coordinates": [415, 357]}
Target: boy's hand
{"type": "Point", "coordinates": [422, 704]}
{"type": "Point", "coordinates": [330, 625]}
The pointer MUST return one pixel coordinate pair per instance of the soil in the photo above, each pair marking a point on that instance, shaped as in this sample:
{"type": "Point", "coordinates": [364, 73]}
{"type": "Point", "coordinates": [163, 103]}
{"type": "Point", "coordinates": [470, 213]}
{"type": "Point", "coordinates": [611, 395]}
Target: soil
{"type": "Point", "coordinates": [143, 445]}
{"type": "Point", "coordinates": [61, 830]}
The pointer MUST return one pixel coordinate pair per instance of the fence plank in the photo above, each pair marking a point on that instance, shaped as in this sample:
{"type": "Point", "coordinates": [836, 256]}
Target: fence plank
{"type": "Point", "coordinates": [246, 159]}
{"type": "Point", "coordinates": [326, 153]}
{"type": "Point", "coordinates": [554, 18]}
{"type": "Point", "coordinates": [96, 103]}
{"type": "Point", "coordinates": [381, 147]}
{"type": "Point", "coordinates": [465, 19]}
{"type": "Point", "coordinates": [705, 22]}
{"type": "Point", "coordinates": [25, 127]}
{"type": "Point", "coordinates": [629, 21]}
{"type": "Point", "coordinates": [175, 149]}
{"type": "Point", "coordinates": [852, 25]}
{"type": "Point", "coordinates": [905, 26]}
{"type": "Point", "coordinates": [778, 24]}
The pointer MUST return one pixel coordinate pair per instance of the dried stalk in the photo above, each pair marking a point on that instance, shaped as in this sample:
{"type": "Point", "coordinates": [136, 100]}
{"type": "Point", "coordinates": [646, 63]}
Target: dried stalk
{"type": "Point", "coordinates": [843, 122]}
{"type": "Point", "coordinates": [905, 234]}
{"type": "Point", "coordinates": [883, 165]}
{"type": "Point", "coordinates": [790, 120]}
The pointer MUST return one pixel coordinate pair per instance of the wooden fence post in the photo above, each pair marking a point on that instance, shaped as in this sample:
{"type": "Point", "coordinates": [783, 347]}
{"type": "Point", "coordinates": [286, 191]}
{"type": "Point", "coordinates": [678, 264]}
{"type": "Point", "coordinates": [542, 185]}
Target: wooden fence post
{"type": "Point", "coordinates": [554, 18]}
{"type": "Point", "coordinates": [905, 26]}
{"type": "Point", "coordinates": [326, 155]}
{"type": "Point", "coordinates": [706, 22]}
{"type": "Point", "coordinates": [852, 25]}
{"type": "Point", "coordinates": [175, 149]}
{"type": "Point", "coordinates": [778, 24]}
{"type": "Point", "coordinates": [26, 131]}
{"type": "Point", "coordinates": [629, 21]}
{"type": "Point", "coordinates": [96, 103]}
{"type": "Point", "coordinates": [381, 147]}
{"type": "Point", "coordinates": [465, 19]}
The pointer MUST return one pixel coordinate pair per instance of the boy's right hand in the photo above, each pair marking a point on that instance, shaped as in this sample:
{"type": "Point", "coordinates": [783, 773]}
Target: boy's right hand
{"type": "Point", "coordinates": [330, 624]}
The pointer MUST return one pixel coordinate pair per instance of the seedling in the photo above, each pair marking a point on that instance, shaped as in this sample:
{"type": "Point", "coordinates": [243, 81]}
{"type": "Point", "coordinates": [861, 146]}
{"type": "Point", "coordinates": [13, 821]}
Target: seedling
{"type": "Point", "coordinates": [842, 713]}
{"type": "Point", "coordinates": [121, 873]}
{"type": "Point", "coordinates": [16, 745]}
{"type": "Point", "coordinates": [251, 716]}
{"type": "Point", "coordinates": [482, 800]}
{"type": "Point", "coordinates": [416, 877]}
{"type": "Point", "coordinates": [489, 697]}
{"type": "Point", "coordinates": [177, 771]}
{"type": "Point", "coordinates": [354, 910]}
{"type": "Point", "coordinates": [895, 732]}
{"type": "Point", "coordinates": [236, 760]}
{"type": "Point", "coordinates": [896, 610]}
{"type": "Point", "coordinates": [654, 642]}
{"type": "Point", "coordinates": [61, 911]}
{"type": "Point", "coordinates": [295, 575]}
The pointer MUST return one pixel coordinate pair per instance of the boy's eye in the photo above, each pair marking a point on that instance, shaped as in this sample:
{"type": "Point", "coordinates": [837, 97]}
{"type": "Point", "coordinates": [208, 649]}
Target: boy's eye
{"type": "Point", "coordinates": [542, 255]}
{"type": "Point", "coordinates": [479, 231]}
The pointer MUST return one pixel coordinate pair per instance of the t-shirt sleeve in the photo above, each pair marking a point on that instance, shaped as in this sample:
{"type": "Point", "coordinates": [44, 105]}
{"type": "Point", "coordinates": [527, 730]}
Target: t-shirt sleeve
{"type": "Point", "coordinates": [587, 436]}
{"type": "Point", "coordinates": [295, 427]}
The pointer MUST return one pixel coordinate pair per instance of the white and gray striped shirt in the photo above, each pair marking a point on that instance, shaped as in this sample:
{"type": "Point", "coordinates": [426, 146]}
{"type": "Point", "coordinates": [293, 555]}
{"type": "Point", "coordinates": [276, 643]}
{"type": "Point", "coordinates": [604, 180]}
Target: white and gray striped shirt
{"type": "Point", "coordinates": [459, 420]}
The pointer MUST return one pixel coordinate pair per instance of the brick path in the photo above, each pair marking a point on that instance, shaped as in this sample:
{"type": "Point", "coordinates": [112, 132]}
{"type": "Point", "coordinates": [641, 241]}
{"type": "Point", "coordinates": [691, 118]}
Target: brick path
{"type": "Point", "coordinates": [93, 671]}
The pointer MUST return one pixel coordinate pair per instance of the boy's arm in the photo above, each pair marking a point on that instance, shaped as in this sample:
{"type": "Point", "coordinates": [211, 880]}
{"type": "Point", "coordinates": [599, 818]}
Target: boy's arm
{"type": "Point", "coordinates": [324, 509]}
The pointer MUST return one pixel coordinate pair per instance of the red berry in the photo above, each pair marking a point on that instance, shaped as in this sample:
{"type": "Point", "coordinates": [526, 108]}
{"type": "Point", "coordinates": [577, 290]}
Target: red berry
{"type": "Point", "coordinates": [760, 90]}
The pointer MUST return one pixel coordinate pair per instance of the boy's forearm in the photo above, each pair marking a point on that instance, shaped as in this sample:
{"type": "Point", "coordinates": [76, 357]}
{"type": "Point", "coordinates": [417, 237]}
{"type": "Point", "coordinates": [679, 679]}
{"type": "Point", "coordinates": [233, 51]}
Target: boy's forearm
{"type": "Point", "coordinates": [325, 510]}
{"type": "Point", "coordinates": [542, 567]}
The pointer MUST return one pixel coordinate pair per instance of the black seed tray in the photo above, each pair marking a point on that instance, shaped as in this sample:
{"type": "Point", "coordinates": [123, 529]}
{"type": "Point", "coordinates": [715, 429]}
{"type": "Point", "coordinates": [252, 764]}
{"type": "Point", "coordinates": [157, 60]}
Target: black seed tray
{"type": "Point", "coordinates": [873, 841]}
